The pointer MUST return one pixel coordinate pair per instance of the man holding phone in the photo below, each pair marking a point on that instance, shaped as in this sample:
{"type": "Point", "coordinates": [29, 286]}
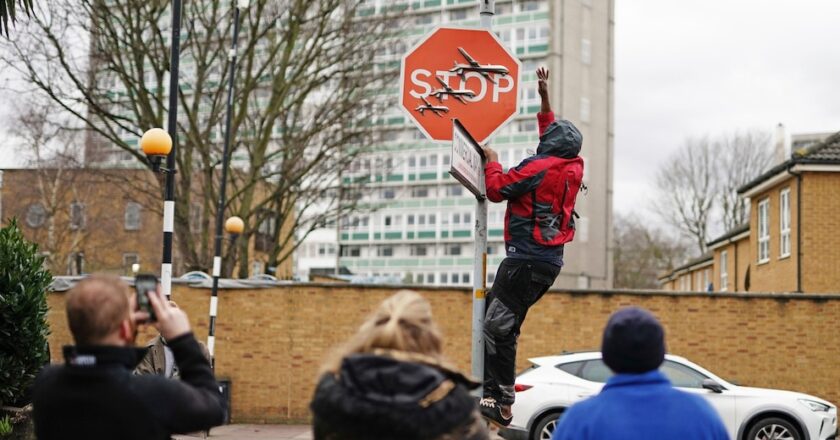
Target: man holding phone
{"type": "Point", "coordinates": [94, 394]}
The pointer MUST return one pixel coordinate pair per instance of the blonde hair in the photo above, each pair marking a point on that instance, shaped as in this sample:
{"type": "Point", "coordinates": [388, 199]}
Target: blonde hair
{"type": "Point", "coordinates": [402, 323]}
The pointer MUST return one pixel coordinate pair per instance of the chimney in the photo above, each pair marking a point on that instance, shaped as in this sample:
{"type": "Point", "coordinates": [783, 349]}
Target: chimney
{"type": "Point", "coordinates": [780, 151]}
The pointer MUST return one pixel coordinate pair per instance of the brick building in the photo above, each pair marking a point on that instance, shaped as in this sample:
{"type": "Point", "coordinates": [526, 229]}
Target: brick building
{"type": "Point", "coordinates": [790, 243]}
{"type": "Point", "coordinates": [89, 220]}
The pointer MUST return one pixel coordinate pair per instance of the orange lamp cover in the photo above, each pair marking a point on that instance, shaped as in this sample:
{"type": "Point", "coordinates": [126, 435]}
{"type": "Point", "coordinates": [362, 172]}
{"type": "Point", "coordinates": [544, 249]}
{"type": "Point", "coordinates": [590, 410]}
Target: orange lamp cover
{"type": "Point", "coordinates": [234, 225]}
{"type": "Point", "coordinates": [156, 142]}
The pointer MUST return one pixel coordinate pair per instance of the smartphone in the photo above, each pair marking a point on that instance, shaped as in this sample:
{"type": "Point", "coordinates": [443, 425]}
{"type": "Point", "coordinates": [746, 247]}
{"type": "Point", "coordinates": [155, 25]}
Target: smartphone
{"type": "Point", "coordinates": [143, 284]}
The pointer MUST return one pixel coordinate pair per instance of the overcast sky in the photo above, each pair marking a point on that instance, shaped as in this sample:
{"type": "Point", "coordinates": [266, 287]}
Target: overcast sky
{"type": "Point", "coordinates": [689, 68]}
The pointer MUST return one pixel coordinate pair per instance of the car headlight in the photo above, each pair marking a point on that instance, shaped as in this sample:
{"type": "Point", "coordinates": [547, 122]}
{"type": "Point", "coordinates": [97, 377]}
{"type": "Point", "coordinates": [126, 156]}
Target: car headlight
{"type": "Point", "coordinates": [814, 406]}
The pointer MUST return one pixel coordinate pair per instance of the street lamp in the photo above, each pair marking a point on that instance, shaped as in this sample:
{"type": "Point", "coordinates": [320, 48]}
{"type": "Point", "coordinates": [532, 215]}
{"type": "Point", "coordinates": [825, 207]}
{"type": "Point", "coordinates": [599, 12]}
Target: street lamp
{"type": "Point", "coordinates": [234, 225]}
{"type": "Point", "coordinates": [156, 145]}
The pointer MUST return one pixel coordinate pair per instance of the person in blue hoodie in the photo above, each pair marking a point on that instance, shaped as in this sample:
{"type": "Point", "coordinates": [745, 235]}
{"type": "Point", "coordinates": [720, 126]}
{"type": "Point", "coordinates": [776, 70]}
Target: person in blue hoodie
{"type": "Point", "coordinates": [638, 402]}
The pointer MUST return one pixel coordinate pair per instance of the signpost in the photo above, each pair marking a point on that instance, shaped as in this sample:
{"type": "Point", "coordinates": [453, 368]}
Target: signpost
{"type": "Point", "coordinates": [461, 86]}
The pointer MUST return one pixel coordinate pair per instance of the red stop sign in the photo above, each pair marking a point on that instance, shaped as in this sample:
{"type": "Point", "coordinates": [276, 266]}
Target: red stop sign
{"type": "Point", "coordinates": [459, 73]}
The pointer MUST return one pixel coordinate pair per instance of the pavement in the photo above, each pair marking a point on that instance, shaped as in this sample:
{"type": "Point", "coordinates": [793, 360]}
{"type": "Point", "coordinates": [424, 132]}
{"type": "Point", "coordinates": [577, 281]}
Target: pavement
{"type": "Point", "coordinates": [265, 432]}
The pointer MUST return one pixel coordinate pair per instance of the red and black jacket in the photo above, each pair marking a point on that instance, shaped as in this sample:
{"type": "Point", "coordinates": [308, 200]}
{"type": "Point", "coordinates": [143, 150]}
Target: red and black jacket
{"type": "Point", "coordinates": [541, 193]}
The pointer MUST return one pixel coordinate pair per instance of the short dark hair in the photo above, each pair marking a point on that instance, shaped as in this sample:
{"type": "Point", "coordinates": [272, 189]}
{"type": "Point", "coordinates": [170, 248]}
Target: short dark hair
{"type": "Point", "coordinates": [96, 307]}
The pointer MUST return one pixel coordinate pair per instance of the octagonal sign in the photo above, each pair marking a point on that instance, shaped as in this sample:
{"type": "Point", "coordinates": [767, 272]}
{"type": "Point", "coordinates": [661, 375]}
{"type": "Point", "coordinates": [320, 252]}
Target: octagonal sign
{"type": "Point", "coordinates": [464, 74]}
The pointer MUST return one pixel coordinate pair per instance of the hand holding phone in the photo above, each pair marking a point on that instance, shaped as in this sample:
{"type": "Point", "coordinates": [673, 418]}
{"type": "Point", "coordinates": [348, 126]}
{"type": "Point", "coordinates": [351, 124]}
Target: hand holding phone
{"type": "Point", "coordinates": [144, 285]}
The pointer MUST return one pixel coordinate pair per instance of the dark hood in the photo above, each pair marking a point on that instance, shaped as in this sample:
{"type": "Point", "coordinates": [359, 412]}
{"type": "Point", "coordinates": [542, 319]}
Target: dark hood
{"type": "Point", "coordinates": [561, 139]}
{"type": "Point", "coordinates": [391, 381]}
{"type": "Point", "coordinates": [380, 397]}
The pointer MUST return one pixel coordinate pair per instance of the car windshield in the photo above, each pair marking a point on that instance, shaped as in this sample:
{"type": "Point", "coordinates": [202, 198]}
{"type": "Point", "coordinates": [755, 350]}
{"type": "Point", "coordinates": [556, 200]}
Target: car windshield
{"type": "Point", "coordinates": [596, 371]}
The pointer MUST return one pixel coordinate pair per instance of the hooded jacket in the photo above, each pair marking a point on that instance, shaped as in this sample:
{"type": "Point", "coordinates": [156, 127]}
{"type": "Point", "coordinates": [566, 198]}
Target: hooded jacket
{"type": "Point", "coordinates": [395, 396]}
{"type": "Point", "coordinates": [96, 396]}
{"type": "Point", "coordinates": [541, 193]}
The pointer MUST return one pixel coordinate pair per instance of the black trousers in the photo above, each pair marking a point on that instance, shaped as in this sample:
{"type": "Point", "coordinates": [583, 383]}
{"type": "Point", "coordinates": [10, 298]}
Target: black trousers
{"type": "Point", "coordinates": [519, 284]}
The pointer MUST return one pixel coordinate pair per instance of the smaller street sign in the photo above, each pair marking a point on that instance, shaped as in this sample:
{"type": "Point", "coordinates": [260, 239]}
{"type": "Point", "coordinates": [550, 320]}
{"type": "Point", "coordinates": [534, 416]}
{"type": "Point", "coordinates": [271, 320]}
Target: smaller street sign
{"type": "Point", "coordinates": [467, 164]}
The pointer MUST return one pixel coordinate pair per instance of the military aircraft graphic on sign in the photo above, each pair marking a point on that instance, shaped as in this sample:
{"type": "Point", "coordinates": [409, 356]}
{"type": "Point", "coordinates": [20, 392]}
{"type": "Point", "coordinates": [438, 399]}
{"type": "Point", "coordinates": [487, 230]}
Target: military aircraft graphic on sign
{"type": "Point", "coordinates": [474, 66]}
{"type": "Point", "coordinates": [437, 110]}
{"type": "Point", "coordinates": [449, 91]}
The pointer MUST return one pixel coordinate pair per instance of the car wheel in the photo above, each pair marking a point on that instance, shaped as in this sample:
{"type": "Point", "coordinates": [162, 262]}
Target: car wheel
{"type": "Point", "coordinates": [773, 428]}
{"type": "Point", "coordinates": [545, 426]}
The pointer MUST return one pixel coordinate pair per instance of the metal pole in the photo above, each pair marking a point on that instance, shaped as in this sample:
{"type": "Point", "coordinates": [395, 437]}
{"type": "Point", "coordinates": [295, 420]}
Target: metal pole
{"type": "Point", "coordinates": [487, 10]}
{"type": "Point", "coordinates": [169, 195]}
{"type": "Point", "coordinates": [220, 209]}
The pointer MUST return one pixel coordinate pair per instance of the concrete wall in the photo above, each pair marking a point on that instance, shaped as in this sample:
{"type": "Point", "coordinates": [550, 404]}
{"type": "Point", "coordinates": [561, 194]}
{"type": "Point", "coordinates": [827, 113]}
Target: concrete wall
{"type": "Point", "coordinates": [270, 342]}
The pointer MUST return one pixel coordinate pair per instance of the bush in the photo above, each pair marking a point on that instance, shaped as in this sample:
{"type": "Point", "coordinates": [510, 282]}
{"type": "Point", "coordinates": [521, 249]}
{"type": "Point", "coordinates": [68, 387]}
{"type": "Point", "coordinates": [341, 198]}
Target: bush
{"type": "Point", "coordinates": [23, 314]}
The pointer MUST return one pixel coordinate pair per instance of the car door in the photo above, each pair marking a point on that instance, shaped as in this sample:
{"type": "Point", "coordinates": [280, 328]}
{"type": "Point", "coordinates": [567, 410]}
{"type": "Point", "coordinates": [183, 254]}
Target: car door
{"type": "Point", "coordinates": [690, 380]}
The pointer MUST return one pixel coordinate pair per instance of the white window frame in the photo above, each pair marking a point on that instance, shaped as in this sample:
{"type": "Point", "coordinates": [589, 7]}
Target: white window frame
{"type": "Point", "coordinates": [724, 271]}
{"type": "Point", "coordinates": [784, 223]}
{"type": "Point", "coordinates": [764, 231]}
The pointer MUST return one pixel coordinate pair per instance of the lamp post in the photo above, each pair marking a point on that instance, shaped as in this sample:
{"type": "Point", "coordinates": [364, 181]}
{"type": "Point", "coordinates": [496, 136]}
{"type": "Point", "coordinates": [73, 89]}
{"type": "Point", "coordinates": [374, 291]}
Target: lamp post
{"type": "Point", "coordinates": [172, 128]}
{"type": "Point", "coordinates": [156, 145]}
{"type": "Point", "coordinates": [233, 226]}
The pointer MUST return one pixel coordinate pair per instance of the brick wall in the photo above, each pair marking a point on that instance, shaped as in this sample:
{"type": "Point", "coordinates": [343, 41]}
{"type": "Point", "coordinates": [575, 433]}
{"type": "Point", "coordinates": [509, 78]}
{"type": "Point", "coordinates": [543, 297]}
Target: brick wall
{"type": "Point", "coordinates": [820, 232]}
{"type": "Point", "coordinates": [271, 342]}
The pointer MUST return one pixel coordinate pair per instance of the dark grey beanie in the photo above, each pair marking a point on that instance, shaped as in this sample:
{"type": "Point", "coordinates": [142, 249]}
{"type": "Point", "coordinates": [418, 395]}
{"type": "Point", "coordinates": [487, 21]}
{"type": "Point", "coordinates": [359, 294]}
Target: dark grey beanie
{"type": "Point", "coordinates": [634, 341]}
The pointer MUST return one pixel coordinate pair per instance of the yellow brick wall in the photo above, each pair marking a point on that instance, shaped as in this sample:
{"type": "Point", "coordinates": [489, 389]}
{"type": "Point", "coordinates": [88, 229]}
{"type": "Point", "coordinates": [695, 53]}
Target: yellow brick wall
{"type": "Point", "coordinates": [821, 232]}
{"type": "Point", "coordinates": [271, 342]}
{"type": "Point", "coordinates": [779, 274]}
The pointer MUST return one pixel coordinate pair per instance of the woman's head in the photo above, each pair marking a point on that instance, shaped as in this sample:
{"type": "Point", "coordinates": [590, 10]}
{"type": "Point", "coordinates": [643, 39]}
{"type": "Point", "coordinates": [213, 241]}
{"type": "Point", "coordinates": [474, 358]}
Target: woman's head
{"type": "Point", "coordinates": [402, 322]}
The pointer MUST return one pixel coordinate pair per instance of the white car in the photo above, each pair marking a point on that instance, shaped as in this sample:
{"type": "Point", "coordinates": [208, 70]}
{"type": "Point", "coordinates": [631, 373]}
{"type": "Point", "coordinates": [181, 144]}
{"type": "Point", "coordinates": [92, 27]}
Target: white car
{"type": "Point", "coordinates": [554, 383]}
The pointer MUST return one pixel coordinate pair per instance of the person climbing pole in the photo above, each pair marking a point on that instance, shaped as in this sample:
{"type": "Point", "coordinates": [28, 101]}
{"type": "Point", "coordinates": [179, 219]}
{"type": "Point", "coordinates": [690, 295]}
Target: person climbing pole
{"type": "Point", "coordinates": [540, 218]}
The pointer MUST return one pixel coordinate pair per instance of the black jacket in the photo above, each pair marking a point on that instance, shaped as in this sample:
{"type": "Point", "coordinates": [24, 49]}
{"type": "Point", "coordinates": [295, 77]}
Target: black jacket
{"type": "Point", "coordinates": [378, 397]}
{"type": "Point", "coordinates": [96, 396]}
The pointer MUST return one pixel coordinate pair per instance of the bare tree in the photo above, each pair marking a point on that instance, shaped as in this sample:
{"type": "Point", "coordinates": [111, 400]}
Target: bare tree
{"type": "Point", "coordinates": [306, 102]}
{"type": "Point", "coordinates": [642, 252]}
{"type": "Point", "coordinates": [742, 157]}
{"type": "Point", "coordinates": [687, 184]}
{"type": "Point", "coordinates": [51, 149]}
{"type": "Point", "coordinates": [698, 185]}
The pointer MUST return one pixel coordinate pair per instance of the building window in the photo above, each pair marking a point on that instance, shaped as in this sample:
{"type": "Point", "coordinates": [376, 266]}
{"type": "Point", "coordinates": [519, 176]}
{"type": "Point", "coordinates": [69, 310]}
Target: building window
{"type": "Point", "coordinates": [452, 249]}
{"type": "Point", "coordinates": [351, 251]}
{"type": "Point", "coordinates": [706, 286]}
{"type": "Point", "coordinates": [784, 221]}
{"type": "Point", "coordinates": [584, 109]}
{"type": "Point", "coordinates": [724, 271]}
{"type": "Point", "coordinates": [444, 278]}
{"type": "Point", "coordinates": [419, 250]}
{"type": "Point", "coordinates": [129, 260]}
{"type": "Point", "coordinates": [585, 51]}
{"type": "Point", "coordinates": [76, 263]}
{"type": "Point", "coordinates": [385, 251]}
{"type": "Point", "coordinates": [77, 215]}
{"type": "Point", "coordinates": [420, 192]}
{"type": "Point", "coordinates": [458, 15]}
{"type": "Point", "coordinates": [36, 215]}
{"type": "Point", "coordinates": [529, 6]}
{"type": "Point", "coordinates": [132, 216]}
{"type": "Point", "coordinates": [764, 231]}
